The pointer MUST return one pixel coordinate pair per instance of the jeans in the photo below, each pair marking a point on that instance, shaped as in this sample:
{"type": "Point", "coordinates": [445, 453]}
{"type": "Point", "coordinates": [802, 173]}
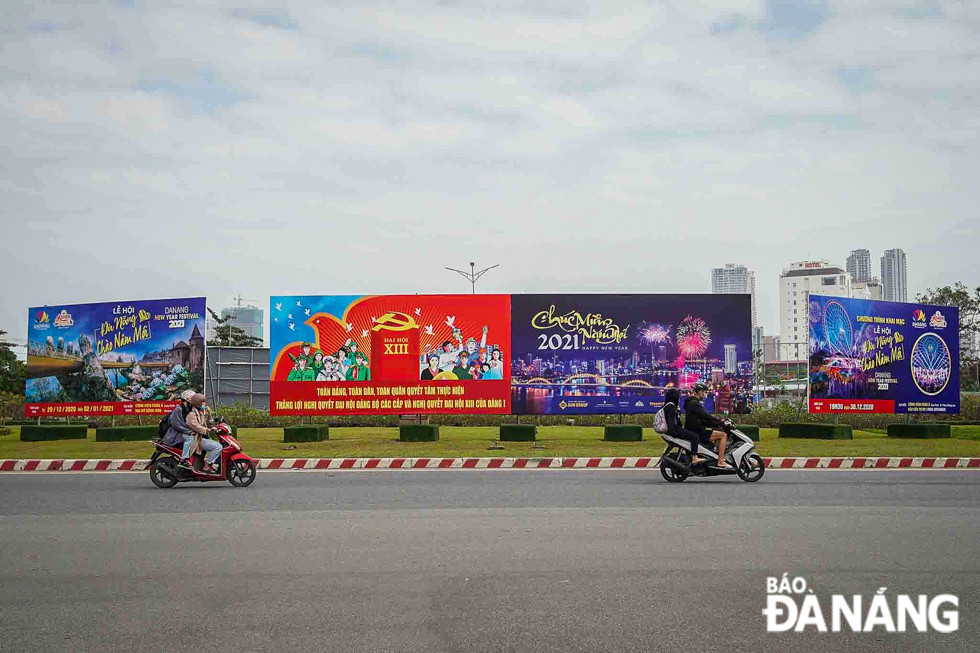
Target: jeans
{"type": "Point", "coordinates": [212, 447]}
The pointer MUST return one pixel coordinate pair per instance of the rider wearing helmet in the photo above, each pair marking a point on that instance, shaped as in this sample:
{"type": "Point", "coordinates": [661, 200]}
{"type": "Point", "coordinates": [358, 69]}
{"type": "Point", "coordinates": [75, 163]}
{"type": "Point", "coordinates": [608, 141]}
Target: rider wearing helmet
{"type": "Point", "coordinates": [706, 425]}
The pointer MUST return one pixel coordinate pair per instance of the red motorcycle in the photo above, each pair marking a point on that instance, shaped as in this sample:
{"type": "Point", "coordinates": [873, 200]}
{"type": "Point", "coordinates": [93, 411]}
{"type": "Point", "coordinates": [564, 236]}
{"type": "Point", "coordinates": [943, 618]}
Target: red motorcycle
{"type": "Point", "coordinates": [237, 467]}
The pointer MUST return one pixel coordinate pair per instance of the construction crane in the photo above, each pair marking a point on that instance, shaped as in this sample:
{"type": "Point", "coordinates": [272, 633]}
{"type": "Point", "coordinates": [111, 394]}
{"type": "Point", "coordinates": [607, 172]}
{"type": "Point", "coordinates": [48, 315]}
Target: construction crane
{"type": "Point", "coordinates": [239, 299]}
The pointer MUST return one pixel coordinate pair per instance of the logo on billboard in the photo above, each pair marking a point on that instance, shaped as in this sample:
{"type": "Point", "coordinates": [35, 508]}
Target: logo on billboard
{"type": "Point", "coordinates": [639, 404]}
{"type": "Point", "coordinates": [63, 320]}
{"type": "Point", "coordinates": [919, 319]}
{"type": "Point", "coordinates": [937, 321]}
{"type": "Point", "coordinates": [41, 321]}
{"type": "Point", "coordinates": [395, 321]}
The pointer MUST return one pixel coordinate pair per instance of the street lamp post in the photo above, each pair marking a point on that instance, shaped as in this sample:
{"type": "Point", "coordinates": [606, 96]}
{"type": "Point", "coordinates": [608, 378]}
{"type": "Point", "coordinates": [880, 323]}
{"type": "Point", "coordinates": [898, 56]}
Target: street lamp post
{"type": "Point", "coordinates": [473, 275]}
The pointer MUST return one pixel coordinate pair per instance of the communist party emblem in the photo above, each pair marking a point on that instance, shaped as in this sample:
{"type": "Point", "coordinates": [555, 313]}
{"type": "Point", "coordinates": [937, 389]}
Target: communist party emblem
{"type": "Point", "coordinates": [395, 321]}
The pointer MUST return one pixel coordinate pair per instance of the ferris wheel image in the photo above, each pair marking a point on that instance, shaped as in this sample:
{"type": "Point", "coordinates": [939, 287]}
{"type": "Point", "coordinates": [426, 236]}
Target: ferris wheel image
{"type": "Point", "coordinates": [931, 364]}
{"type": "Point", "coordinates": [837, 326]}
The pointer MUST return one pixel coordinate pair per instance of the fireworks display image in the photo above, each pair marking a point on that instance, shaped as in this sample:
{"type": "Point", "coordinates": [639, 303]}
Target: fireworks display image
{"type": "Point", "coordinates": [652, 333]}
{"type": "Point", "coordinates": [930, 364]}
{"type": "Point", "coordinates": [693, 337]}
{"type": "Point", "coordinates": [816, 313]}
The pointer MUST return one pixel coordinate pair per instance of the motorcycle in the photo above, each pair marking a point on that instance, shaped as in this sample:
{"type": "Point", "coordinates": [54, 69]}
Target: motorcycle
{"type": "Point", "coordinates": [236, 467]}
{"type": "Point", "coordinates": [740, 454]}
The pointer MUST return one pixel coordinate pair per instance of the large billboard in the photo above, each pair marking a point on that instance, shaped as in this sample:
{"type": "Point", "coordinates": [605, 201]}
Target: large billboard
{"type": "Point", "coordinates": [118, 358]}
{"type": "Point", "coordinates": [882, 357]}
{"type": "Point", "coordinates": [390, 354]}
{"type": "Point", "coordinates": [609, 353]}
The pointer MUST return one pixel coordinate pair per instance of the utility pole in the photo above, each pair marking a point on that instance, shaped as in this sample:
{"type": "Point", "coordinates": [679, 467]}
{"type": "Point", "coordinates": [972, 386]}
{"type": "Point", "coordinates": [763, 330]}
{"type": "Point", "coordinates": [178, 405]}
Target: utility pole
{"type": "Point", "coordinates": [473, 275]}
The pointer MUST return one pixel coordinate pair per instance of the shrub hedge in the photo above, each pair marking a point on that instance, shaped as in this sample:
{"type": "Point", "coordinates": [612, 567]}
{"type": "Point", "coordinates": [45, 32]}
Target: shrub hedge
{"type": "Point", "coordinates": [418, 433]}
{"type": "Point", "coordinates": [924, 431]}
{"type": "Point", "coordinates": [125, 433]}
{"type": "Point", "coordinates": [42, 433]}
{"type": "Point", "coordinates": [246, 417]}
{"type": "Point", "coordinates": [750, 430]}
{"type": "Point", "coordinates": [518, 432]}
{"type": "Point", "coordinates": [308, 433]}
{"type": "Point", "coordinates": [816, 431]}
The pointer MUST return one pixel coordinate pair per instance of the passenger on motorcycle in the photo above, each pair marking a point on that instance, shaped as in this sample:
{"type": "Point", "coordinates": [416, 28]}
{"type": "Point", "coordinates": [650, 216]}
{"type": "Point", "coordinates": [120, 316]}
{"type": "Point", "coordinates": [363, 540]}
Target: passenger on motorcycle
{"type": "Point", "coordinates": [197, 421]}
{"type": "Point", "coordinates": [697, 419]}
{"type": "Point", "coordinates": [674, 428]}
{"type": "Point", "coordinates": [174, 437]}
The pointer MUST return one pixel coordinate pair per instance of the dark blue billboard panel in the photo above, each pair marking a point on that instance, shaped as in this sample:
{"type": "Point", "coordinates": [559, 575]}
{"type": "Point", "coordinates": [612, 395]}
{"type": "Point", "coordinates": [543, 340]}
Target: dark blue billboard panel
{"type": "Point", "coordinates": [606, 353]}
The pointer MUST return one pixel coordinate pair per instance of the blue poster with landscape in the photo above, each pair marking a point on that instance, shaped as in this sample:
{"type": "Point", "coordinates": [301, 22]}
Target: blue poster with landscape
{"type": "Point", "coordinates": [115, 358]}
{"type": "Point", "coordinates": [882, 357]}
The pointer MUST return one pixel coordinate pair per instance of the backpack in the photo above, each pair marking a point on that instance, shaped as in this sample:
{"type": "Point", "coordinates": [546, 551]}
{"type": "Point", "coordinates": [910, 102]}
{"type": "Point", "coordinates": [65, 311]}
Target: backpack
{"type": "Point", "coordinates": [163, 426]}
{"type": "Point", "coordinates": [660, 419]}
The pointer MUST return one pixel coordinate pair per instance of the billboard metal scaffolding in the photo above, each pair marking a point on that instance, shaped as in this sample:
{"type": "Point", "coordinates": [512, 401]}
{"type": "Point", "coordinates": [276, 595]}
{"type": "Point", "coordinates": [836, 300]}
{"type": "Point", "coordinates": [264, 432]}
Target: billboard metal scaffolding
{"type": "Point", "coordinates": [238, 375]}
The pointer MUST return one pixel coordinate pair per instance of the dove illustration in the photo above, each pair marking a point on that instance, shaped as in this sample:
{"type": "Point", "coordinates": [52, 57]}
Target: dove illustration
{"type": "Point", "coordinates": [364, 333]}
{"type": "Point", "coordinates": [449, 321]}
{"type": "Point", "coordinates": [374, 319]}
{"type": "Point", "coordinates": [292, 327]}
{"type": "Point", "coordinates": [418, 311]}
{"type": "Point", "coordinates": [349, 326]}
{"type": "Point", "coordinates": [290, 316]}
{"type": "Point", "coordinates": [299, 303]}
{"type": "Point", "coordinates": [428, 329]}
{"type": "Point", "coordinates": [279, 306]}
{"type": "Point", "coordinates": [307, 311]}
{"type": "Point", "coordinates": [275, 319]}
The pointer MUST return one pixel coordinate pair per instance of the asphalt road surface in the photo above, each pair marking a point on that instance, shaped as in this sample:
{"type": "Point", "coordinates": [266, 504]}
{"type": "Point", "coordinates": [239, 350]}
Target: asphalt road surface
{"type": "Point", "coordinates": [563, 560]}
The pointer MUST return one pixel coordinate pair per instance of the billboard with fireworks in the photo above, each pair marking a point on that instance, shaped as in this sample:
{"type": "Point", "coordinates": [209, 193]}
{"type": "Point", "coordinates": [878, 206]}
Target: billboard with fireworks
{"type": "Point", "coordinates": [390, 354]}
{"type": "Point", "coordinates": [618, 353]}
{"type": "Point", "coordinates": [119, 358]}
{"type": "Point", "coordinates": [883, 357]}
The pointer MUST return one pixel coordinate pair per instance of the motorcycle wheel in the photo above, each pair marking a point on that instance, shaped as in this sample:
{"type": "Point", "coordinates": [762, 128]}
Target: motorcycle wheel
{"type": "Point", "coordinates": [670, 474]}
{"type": "Point", "coordinates": [241, 473]}
{"type": "Point", "coordinates": [161, 475]}
{"type": "Point", "coordinates": [752, 468]}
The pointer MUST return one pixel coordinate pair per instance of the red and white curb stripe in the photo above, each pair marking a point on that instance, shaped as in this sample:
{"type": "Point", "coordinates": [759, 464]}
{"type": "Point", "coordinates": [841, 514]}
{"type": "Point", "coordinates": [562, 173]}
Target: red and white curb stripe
{"type": "Point", "coordinates": [494, 463]}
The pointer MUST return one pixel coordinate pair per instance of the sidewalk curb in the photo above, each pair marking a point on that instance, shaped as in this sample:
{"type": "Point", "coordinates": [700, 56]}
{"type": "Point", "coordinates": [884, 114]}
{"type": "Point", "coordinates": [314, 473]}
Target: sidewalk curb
{"type": "Point", "coordinates": [67, 465]}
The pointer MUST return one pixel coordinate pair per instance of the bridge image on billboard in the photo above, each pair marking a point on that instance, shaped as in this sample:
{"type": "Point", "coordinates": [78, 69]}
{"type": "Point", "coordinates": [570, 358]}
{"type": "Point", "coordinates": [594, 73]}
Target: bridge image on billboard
{"type": "Point", "coordinates": [588, 354]}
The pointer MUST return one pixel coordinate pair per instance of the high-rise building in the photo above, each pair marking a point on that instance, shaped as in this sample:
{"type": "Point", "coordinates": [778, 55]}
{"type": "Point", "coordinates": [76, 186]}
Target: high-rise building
{"type": "Point", "coordinates": [249, 319]}
{"type": "Point", "coordinates": [733, 279]}
{"type": "Point", "coordinates": [859, 265]}
{"type": "Point", "coordinates": [893, 276]}
{"type": "Point", "coordinates": [731, 360]}
{"type": "Point", "coordinates": [797, 282]}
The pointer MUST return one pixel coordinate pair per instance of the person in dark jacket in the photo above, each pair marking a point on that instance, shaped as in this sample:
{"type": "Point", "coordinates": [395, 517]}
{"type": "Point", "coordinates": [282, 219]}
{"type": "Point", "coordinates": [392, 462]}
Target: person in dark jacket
{"type": "Point", "coordinates": [672, 400]}
{"type": "Point", "coordinates": [178, 422]}
{"type": "Point", "coordinates": [697, 419]}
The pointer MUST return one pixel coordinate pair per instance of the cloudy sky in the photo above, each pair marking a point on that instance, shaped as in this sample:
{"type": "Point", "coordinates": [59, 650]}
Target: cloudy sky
{"type": "Point", "coordinates": [166, 149]}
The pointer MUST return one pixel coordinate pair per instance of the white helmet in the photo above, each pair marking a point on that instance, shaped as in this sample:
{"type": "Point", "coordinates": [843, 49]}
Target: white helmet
{"type": "Point", "coordinates": [187, 395]}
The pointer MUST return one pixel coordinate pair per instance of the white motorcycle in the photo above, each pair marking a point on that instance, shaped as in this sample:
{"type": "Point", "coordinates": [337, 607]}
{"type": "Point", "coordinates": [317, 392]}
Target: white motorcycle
{"type": "Point", "coordinates": [740, 454]}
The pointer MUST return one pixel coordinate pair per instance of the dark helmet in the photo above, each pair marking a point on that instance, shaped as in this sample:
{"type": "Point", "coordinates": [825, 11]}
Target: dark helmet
{"type": "Point", "coordinates": [700, 387]}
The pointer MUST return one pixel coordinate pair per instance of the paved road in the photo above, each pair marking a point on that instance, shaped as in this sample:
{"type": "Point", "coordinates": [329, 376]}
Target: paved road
{"type": "Point", "coordinates": [518, 560]}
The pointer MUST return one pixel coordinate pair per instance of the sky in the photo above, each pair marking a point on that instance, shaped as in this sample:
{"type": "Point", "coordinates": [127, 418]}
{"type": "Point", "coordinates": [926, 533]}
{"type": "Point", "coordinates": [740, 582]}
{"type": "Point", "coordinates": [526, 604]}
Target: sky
{"type": "Point", "coordinates": [169, 149]}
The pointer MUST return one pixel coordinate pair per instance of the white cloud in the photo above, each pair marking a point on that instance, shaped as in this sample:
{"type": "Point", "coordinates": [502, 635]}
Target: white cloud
{"type": "Point", "coordinates": [237, 147]}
